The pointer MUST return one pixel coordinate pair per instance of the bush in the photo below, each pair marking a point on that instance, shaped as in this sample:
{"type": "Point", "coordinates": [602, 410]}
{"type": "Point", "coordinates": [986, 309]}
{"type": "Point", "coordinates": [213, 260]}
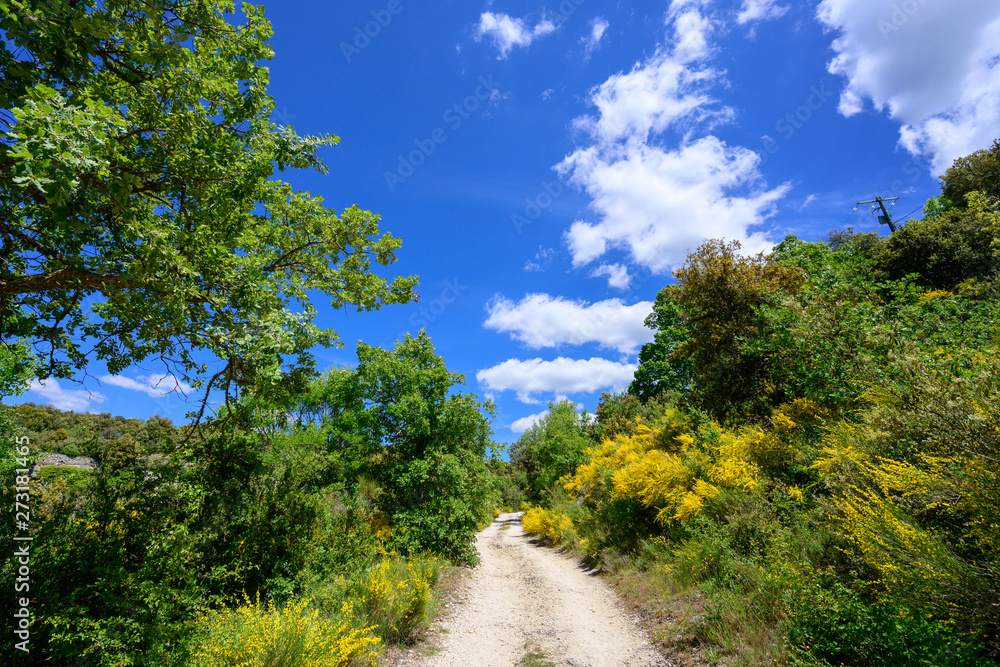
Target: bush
{"type": "Point", "coordinates": [834, 623]}
{"type": "Point", "coordinates": [553, 527]}
{"type": "Point", "coordinates": [256, 635]}
{"type": "Point", "coordinates": [76, 478]}
{"type": "Point", "coordinates": [394, 597]}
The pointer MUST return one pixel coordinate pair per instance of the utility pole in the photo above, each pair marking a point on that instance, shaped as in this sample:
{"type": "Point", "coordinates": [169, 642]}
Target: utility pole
{"type": "Point", "coordinates": [885, 218]}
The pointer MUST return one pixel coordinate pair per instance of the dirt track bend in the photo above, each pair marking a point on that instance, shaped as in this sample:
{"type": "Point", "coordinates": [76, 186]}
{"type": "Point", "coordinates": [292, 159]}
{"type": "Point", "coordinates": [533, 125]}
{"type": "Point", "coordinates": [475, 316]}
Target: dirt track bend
{"type": "Point", "coordinates": [522, 595]}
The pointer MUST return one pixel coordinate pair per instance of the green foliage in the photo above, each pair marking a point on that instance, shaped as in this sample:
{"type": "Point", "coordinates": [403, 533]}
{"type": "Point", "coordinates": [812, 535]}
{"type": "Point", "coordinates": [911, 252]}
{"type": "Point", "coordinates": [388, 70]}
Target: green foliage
{"type": "Point", "coordinates": [720, 294]}
{"type": "Point", "coordinates": [16, 367]}
{"type": "Point", "coordinates": [138, 170]}
{"type": "Point", "coordinates": [838, 626]}
{"type": "Point", "coordinates": [855, 521]}
{"type": "Point", "coordinates": [551, 448]}
{"type": "Point", "coordinates": [76, 479]}
{"type": "Point", "coordinates": [937, 206]}
{"type": "Point", "coordinates": [660, 367]}
{"type": "Point", "coordinates": [977, 172]}
{"type": "Point", "coordinates": [946, 249]}
{"type": "Point", "coordinates": [53, 430]}
{"type": "Point", "coordinates": [396, 419]}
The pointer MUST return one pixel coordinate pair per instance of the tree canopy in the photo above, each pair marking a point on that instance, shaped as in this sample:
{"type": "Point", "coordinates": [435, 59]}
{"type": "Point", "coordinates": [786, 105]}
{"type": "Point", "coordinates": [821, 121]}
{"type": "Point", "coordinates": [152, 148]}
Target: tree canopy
{"type": "Point", "coordinates": [396, 420]}
{"type": "Point", "coordinates": [138, 215]}
{"type": "Point", "coordinates": [976, 172]}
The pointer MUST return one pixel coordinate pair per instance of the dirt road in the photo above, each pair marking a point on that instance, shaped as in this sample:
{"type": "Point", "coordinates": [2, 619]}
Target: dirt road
{"type": "Point", "coordinates": [527, 599]}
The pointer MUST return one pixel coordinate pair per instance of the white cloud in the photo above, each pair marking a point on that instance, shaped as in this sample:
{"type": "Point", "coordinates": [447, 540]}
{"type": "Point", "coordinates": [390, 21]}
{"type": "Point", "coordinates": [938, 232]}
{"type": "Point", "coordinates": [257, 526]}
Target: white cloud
{"type": "Point", "coordinates": [562, 376]}
{"type": "Point", "coordinates": [660, 204]}
{"type": "Point", "coordinates": [653, 201]}
{"type": "Point", "coordinates": [547, 93]}
{"type": "Point", "coordinates": [77, 400]}
{"type": "Point", "coordinates": [541, 320]}
{"type": "Point", "coordinates": [592, 42]}
{"type": "Point", "coordinates": [521, 425]}
{"type": "Point", "coordinates": [759, 10]}
{"type": "Point", "coordinates": [617, 274]}
{"type": "Point", "coordinates": [933, 67]}
{"type": "Point", "coordinates": [507, 32]}
{"type": "Point", "coordinates": [154, 386]}
{"type": "Point", "coordinates": [542, 260]}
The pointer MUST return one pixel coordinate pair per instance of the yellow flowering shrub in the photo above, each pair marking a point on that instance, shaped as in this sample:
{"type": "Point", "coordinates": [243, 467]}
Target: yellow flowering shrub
{"type": "Point", "coordinates": [255, 634]}
{"type": "Point", "coordinates": [592, 478]}
{"type": "Point", "coordinates": [677, 472]}
{"type": "Point", "coordinates": [549, 525]}
{"type": "Point", "coordinates": [883, 506]}
{"type": "Point", "coordinates": [395, 597]}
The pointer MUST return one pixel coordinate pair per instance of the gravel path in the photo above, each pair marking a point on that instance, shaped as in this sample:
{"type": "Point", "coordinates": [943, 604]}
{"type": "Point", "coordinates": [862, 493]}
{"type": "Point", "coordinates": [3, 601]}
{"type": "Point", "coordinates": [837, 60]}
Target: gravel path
{"type": "Point", "coordinates": [524, 597]}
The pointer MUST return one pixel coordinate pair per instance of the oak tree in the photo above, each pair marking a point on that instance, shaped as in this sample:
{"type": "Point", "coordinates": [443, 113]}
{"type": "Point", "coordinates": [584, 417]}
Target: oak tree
{"type": "Point", "coordinates": [139, 216]}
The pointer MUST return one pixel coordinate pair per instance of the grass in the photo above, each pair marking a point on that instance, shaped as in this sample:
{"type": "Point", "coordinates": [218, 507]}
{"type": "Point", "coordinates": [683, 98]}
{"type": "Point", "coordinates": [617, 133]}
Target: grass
{"type": "Point", "coordinates": [699, 626]}
{"type": "Point", "coordinates": [535, 657]}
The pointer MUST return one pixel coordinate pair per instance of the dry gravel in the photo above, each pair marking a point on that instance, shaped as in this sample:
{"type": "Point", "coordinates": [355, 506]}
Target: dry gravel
{"type": "Point", "coordinates": [525, 597]}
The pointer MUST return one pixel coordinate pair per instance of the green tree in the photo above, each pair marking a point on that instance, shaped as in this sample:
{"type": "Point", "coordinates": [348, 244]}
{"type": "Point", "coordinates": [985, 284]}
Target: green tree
{"type": "Point", "coordinates": [552, 447]}
{"type": "Point", "coordinates": [720, 294]}
{"type": "Point", "coordinates": [135, 176]}
{"type": "Point", "coordinates": [976, 172]}
{"type": "Point", "coordinates": [949, 247]}
{"type": "Point", "coordinates": [397, 420]}
{"type": "Point", "coordinates": [660, 368]}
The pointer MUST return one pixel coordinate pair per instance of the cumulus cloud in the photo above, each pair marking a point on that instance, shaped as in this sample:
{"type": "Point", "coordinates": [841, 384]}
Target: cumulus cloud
{"type": "Point", "coordinates": [77, 400]}
{"type": "Point", "coordinates": [507, 32]}
{"type": "Point", "coordinates": [651, 200]}
{"type": "Point", "coordinates": [759, 10]}
{"type": "Point", "coordinates": [559, 377]}
{"type": "Point", "coordinates": [523, 424]}
{"type": "Point", "coordinates": [592, 42]}
{"type": "Point", "coordinates": [541, 320]}
{"type": "Point", "coordinates": [931, 66]}
{"type": "Point", "coordinates": [154, 386]}
{"type": "Point", "coordinates": [617, 275]}
{"type": "Point", "coordinates": [659, 204]}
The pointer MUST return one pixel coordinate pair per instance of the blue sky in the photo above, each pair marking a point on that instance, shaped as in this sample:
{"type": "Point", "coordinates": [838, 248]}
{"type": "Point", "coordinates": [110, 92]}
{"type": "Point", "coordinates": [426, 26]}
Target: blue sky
{"type": "Point", "coordinates": [548, 164]}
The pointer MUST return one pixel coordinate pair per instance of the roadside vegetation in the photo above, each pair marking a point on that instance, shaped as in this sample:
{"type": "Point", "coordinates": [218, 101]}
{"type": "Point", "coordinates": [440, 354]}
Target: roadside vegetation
{"type": "Point", "coordinates": [805, 468]}
{"type": "Point", "coordinates": [299, 518]}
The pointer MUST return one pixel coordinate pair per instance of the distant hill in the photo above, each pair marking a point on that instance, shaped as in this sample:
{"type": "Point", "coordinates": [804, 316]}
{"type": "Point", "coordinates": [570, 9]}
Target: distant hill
{"type": "Point", "coordinates": [82, 434]}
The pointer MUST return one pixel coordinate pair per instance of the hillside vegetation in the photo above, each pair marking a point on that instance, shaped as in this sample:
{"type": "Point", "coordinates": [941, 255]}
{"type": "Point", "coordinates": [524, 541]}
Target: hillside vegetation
{"type": "Point", "coordinates": [805, 470]}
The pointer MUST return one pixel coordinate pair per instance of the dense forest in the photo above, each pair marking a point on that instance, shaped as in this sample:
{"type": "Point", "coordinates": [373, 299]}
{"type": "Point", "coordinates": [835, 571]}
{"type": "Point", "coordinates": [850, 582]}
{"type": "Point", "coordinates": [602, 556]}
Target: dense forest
{"type": "Point", "coordinates": [803, 471]}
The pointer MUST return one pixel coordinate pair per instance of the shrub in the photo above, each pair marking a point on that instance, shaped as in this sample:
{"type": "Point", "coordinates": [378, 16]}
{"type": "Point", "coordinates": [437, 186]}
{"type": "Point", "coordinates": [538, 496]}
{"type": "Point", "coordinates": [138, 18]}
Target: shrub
{"type": "Point", "coordinates": [394, 597]}
{"type": "Point", "coordinates": [552, 527]}
{"type": "Point", "coordinates": [834, 623]}
{"type": "Point", "coordinates": [257, 635]}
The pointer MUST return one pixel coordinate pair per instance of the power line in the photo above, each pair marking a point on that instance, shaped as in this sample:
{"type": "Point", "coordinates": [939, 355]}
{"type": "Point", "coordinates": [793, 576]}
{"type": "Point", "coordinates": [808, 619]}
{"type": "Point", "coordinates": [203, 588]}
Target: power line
{"type": "Point", "coordinates": [885, 218]}
{"type": "Point", "coordinates": [911, 213]}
